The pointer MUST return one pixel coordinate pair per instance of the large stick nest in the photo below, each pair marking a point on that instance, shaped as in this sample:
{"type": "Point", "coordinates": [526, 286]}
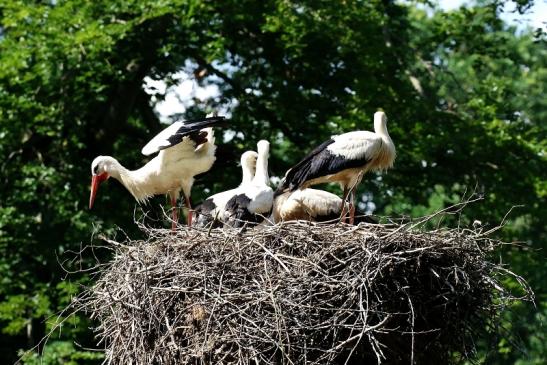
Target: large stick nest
{"type": "Point", "coordinates": [298, 293]}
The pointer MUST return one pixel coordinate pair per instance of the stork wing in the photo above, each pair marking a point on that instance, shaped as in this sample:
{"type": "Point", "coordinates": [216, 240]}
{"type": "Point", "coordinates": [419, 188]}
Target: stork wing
{"type": "Point", "coordinates": [249, 206]}
{"type": "Point", "coordinates": [345, 151]}
{"type": "Point", "coordinates": [237, 210]}
{"type": "Point", "coordinates": [174, 134]}
{"type": "Point", "coordinates": [291, 178]}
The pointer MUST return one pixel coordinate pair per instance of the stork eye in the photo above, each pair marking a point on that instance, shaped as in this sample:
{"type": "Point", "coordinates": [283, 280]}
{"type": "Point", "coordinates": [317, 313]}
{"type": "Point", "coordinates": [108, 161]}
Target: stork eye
{"type": "Point", "coordinates": [96, 170]}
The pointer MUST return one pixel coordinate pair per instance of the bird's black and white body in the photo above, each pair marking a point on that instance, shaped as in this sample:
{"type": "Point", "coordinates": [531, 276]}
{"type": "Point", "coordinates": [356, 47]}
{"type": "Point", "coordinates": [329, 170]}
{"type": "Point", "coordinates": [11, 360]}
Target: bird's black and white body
{"type": "Point", "coordinates": [344, 159]}
{"type": "Point", "coordinates": [186, 149]}
{"type": "Point", "coordinates": [254, 202]}
{"type": "Point", "coordinates": [213, 209]}
{"type": "Point", "coordinates": [310, 205]}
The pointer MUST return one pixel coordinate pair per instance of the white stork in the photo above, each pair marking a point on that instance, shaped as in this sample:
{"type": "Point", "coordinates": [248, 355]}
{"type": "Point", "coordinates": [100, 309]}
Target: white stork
{"type": "Point", "coordinates": [255, 200]}
{"type": "Point", "coordinates": [186, 149]}
{"type": "Point", "coordinates": [311, 205]}
{"type": "Point", "coordinates": [344, 159]}
{"type": "Point", "coordinates": [212, 210]}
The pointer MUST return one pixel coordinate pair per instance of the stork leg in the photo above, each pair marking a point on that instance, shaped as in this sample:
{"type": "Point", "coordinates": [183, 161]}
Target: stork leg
{"type": "Point", "coordinates": [352, 198]}
{"type": "Point", "coordinates": [343, 208]}
{"type": "Point", "coordinates": [189, 206]}
{"type": "Point", "coordinates": [352, 207]}
{"type": "Point", "coordinates": [175, 217]}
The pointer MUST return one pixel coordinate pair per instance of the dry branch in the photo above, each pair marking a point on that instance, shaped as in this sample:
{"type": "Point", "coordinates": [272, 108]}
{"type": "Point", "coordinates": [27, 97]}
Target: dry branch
{"type": "Point", "coordinates": [298, 293]}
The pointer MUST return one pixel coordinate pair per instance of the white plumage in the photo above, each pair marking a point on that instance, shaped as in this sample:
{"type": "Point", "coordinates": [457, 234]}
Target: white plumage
{"type": "Point", "coordinates": [306, 204]}
{"type": "Point", "coordinates": [310, 205]}
{"type": "Point", "coordinates": [213, 209]}
{"type": "Point", "coordinates": [254, 202]}
{"type": "Point", "coordinates": [186, 149]}
{"type": "Point", "coordinates": [344, 159]}
{"type": "Point", "coordinates": [355, 145]}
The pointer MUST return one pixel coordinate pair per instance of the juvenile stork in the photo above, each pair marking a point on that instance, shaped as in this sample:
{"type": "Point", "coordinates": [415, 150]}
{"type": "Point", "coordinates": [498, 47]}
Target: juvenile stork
{"type": "Point", "coordinates": [344, 159]}
{"type": "Point", "coordinates": [213, 209]}
{"type": "Point", "coordinates": [311, 205]}
{"type": "Point", "coordinates": [255, 200]}
{"type": "Point", "coordinates": [186, 149]}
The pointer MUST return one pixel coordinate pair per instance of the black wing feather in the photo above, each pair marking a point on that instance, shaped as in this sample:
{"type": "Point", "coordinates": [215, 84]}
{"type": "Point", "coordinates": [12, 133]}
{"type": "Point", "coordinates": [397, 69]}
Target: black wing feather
{"type": "Point", "coordinates": [319, 162]}
{"type": "Point", "coordinates": [238, 208]}
{"type": "Point", "coordinates": [204, 216]}
{"type": "Point", "coordinates": [192, 129]}
{"type": "Point", "coordinates": [301, 169]}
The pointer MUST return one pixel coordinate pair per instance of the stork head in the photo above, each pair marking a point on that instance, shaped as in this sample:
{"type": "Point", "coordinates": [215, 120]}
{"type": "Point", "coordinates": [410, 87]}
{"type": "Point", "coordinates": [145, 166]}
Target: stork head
{"type": "Point", "coordinates": [101, 169]}
{"type": "Point", "coordinates": [380, 122]}
{"type": "Point", "coordinates": [263, 148]}
{"type": "Point", "coordinates": [380, 116]}
{"type": "Point", "coordinates": [248, 166]}
{"type": "Point", "coordinates": [248, 160]}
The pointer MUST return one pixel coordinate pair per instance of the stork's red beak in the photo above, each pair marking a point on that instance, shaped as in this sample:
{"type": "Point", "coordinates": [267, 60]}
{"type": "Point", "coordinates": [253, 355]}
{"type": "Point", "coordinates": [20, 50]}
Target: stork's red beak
{"type": "Point", "coordinates": [95, 181]}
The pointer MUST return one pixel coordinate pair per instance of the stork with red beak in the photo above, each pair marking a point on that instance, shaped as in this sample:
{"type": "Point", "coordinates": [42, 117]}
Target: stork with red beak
{"type": "Point", "coordinates": [186, 149]}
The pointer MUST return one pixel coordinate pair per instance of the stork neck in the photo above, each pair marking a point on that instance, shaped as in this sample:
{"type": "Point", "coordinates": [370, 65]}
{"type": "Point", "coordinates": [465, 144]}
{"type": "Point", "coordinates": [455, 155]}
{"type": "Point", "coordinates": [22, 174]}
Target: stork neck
{"type": "Point", "coordinates": [247, 176]}
{"type": "Point", "coordinates": [133, 180]}
{"type": "Point", "coordinates": [117, 170]}
{"type": "Point", "coordinates": [247, 173]}
{"type": "Point", "coordinates": [380, 127]}
{"type": "Point", "coordinates": [261, 175]}
{"type": "Point", "coordinates": [388, 152]}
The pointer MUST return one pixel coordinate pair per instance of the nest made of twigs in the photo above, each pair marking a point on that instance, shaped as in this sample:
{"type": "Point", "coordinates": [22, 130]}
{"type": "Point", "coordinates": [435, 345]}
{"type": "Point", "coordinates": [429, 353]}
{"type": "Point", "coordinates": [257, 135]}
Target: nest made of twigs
{"type": "Point", "coordinates": [298, 293]}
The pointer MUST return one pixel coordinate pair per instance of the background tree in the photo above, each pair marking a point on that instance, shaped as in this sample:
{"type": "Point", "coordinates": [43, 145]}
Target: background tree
{"type": "Point", "coordinates": [464, 93]}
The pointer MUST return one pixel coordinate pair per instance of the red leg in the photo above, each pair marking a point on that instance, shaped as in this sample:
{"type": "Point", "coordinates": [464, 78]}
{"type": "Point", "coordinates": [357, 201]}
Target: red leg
{"type": "Point", "coordinates": [189, 206]}
{"type": "Point", "coordinates": [175, 217]}
{"type": "Point", "coordinates": [344, 214]}
{"type": "Point", "coordinates": [352, 207]}
{"type": "Point", "coordinates": [343, 208]}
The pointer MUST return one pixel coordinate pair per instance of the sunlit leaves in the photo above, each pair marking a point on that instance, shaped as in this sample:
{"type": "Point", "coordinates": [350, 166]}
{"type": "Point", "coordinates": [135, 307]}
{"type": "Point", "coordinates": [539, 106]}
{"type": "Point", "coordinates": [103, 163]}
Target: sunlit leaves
{"type": "Point", "coordinates": [463, 93]}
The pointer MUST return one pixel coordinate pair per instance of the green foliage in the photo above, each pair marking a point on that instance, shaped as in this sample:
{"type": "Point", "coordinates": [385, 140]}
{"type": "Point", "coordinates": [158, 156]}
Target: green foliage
{"type": "Point", "coordinates": [17, 311]}
{"type": "Point", "coordinates": [61, 352]}
{"type": "Point", "coordinates": [464, 94]}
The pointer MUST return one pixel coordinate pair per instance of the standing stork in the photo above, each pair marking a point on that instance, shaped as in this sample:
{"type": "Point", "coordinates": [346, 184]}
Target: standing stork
{"type": "Point", "coordinates": [186, 149]}
{"type": "Point", "coordinates": [255, 200]}
{"type": "Point", "coordinates": [213, 209]}
{"type": "Point", "coordinates": [344, 159]}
